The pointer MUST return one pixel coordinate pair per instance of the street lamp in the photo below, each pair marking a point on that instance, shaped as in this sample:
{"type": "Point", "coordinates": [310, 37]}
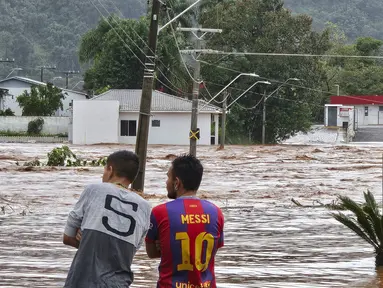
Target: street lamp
{"type": "Point", "coordinates": [337, 89]}
{"type": "Point", "coordinates": [224, 88]}
{"type": "Point", "coordinates": [248, 89]}
{"type": "Point", "coordinates": [58, 77]}
{"type": "Point", "coordinates": [264, 107]}
{"type": "Point", "coordinates": [13, 70]}
{"type": "Point", "coordinates": [224, 109]}
{"type": "Point", "coordinates": [77, 84]}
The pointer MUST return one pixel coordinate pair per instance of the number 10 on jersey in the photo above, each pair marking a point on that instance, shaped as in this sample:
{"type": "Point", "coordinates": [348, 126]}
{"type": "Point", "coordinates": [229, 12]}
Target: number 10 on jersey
{"type": "Point", "coordinates": [198, 245]}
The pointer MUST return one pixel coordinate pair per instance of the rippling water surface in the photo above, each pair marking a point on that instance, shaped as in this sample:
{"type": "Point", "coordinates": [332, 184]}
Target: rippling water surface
{"type": "Point", "coordinates": [269, 242]}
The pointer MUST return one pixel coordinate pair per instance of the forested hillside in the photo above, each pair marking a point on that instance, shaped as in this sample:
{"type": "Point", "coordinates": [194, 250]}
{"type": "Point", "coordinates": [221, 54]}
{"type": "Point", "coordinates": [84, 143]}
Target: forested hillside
{"type": "Point", "coordinates": [46, 32]}
{"type": "Point", "coordinates": [356, 17]}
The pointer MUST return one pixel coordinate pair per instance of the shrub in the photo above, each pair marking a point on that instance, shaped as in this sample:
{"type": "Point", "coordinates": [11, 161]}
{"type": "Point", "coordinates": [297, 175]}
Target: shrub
{"type": "Point", "coordinates": [7, 112]}
{"type": "Point", "coordinates": [35, 126]}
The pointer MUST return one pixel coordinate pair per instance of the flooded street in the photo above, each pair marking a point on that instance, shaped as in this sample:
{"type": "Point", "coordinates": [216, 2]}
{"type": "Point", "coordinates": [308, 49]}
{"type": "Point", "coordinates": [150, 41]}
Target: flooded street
{"type": "Point", "coordinates": [269, 241]}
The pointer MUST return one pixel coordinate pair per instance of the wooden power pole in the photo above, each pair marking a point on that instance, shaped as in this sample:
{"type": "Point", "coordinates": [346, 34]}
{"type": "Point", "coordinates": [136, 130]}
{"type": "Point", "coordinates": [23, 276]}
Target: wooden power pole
{"type": "Point", "coordinates": [146, 98]}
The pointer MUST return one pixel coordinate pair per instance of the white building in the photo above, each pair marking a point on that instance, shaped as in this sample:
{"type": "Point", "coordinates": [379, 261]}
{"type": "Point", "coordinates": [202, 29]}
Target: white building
{"type": "Point", "coordinates": [112, 117]}
{"type": "Point", "coordinates": [338, 115]}
{"type": "Point", "coordinates": [17, 85]}
{"type": "Point", "coordinates": [368, 108]}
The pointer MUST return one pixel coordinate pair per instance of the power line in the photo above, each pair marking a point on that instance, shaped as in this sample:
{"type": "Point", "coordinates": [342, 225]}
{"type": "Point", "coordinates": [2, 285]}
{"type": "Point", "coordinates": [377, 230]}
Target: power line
{"type": "Point", "coordinates": [147, 46]}
{"type": "Point", "coordinates": [209, 51]}
{"type": "Point", "coordinates": [179, 51]}
{"type": "Point", "coordinates": [111, 26]}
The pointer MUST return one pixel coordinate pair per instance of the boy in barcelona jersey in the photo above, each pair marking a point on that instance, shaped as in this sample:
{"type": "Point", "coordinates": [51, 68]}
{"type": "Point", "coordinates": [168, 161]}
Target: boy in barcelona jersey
{"type": "Point", "coordinates": [113, 222]}
{"type": "Point", "coordinates": [186, 232]}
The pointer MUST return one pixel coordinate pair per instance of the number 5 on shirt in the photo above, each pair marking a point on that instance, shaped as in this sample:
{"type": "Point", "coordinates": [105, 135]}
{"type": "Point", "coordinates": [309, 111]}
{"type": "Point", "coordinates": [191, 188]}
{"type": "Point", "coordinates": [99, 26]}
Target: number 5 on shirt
{"type": "Point", "coordinates": [185, 251]}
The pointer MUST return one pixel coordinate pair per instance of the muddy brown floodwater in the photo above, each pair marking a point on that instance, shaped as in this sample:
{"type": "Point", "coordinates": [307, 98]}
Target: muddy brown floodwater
{"type": "Point", "coordinates": [269, 242]}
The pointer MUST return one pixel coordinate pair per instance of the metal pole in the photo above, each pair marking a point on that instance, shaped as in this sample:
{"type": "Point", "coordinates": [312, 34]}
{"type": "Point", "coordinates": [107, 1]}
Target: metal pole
{"type": "Point", "coordinates": [146, 98]}
{"type": "Point", "coordinates": [66, 80]}
{"type": "Point", "coordinates": [223, 124]}
{"type": "Point", "coordinates": [337, 89]}
{"type": "Point", "coordinates": [264, 119]}
{"type": "Point", "coordinates": [194, 115]}
{"type": "Point", "coordinates": [42, 74]}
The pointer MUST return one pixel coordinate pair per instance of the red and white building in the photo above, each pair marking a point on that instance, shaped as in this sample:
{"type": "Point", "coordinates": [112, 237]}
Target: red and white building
{"type": "Point", "coordinates": [368, 110]}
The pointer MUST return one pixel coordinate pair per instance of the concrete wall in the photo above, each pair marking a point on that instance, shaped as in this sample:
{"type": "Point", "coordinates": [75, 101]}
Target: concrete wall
{"type": "Point", "coordinates": [95, 122]}
{"type": "Point", "coordinates": [174, 128]}
{"type": "Point", "coordinates": [52, 125]}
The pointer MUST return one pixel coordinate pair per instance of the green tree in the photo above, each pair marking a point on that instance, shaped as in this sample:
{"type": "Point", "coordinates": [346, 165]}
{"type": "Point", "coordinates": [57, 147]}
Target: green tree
{"type": "Point", "coordinates": [366, 221]}
{"type": "Point", "coordinates": [113, 62]}
{"type": "Point", "coordinates": [266, 26]}
{"type": "Point", "coordinates": [356, 76]}
{"type": "Point", "coordinates": [41, 101]}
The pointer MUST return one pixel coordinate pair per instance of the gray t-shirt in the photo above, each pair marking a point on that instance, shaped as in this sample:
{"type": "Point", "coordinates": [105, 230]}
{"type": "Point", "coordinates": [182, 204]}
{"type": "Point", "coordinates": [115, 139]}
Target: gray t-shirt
{"type": "Point", "coordinates": [114, 222]}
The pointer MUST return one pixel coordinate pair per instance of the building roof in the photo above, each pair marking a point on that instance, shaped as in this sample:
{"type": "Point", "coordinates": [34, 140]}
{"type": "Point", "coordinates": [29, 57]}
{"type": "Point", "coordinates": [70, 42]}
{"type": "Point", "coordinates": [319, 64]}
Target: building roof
{"type": "Point", "coordinates": [357, 100]}
{"type": "Point", "coordinates": [35, 82]}
{"type": "Point", "coordinates": [130, 101]}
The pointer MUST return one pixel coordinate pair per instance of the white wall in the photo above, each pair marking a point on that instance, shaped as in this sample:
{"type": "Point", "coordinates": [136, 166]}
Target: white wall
{"type": "Point", "coordinates": [17, 88]}
{"type": "Point", "coordinates": [95, 122]}
{"type": "Point", "coordinates": [342, 119]}
{"type": "Point", "coordinates": [52, 125]}
{"type": "Point", "coordinates": [69, 96]}
{"type": "Point", "coordinates": [371, 119]}
{"type": "Point", "coordinates": [174, 128]}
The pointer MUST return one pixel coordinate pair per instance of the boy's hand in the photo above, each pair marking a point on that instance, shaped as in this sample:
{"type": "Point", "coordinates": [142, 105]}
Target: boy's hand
{"type": "Point", "coordinates": [78, 235]}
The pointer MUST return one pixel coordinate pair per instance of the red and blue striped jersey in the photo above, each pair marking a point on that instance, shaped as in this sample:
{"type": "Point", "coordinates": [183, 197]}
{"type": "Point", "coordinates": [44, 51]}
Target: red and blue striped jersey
{"type": "Point", "coordinates": [190, 232]}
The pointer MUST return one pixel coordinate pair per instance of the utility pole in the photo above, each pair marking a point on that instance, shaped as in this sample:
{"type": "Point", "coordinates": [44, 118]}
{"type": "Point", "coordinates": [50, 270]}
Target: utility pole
{"type": "Point", "coordinates": [146, 98]}
{"type": "Point", "coordinates": [264, 119]}
{"type": "Point", "coordinates": [42, 71]}
{"type": "Point", "coordinates": [223, 123]}
{"type": "Point", "coordinates": [194, 132]}
{"type": "Point", "coordinates": [67, 73]}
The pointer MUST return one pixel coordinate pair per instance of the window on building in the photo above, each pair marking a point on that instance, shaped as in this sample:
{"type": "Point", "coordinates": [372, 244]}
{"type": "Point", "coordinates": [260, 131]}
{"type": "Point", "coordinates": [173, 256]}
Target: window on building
{"type": "Point", "coordinates": [156, 123]}
{"type": "Point", "coordinates": [128, 128]}
{"type": "Point", "coordinates": [381, 108]}
{"type": "Point", "coordinates": [366, 111]}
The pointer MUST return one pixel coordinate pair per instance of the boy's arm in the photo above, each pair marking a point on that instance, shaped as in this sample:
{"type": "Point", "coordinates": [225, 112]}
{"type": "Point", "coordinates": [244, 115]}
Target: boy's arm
{"type": "Point", "coordinates": [151, 240]}
{"type": "Point", "coordinates": [74, 220]}
{"type": "Point", "coordinates": [221, 221]}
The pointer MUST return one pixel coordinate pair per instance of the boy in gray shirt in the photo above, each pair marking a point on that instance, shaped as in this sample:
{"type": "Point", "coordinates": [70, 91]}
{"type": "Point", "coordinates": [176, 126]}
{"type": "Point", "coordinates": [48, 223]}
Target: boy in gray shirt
{"type": "Point", "coordinates": [113, 221]}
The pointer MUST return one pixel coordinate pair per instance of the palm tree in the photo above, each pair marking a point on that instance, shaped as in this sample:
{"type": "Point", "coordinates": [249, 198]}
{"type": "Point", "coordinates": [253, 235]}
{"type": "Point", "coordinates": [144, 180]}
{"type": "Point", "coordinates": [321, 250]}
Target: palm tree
{"type": "Point", "coordinates": [366, 222]}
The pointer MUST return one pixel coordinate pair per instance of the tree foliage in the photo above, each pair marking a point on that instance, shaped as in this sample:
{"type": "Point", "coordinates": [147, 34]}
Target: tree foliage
{"type": "Point", "coordinates": [265, 26]}
{"type": "Point", "coordinates": [355, 76]}
{"type": "Point", "coordinates": [7, 112]}
{"type": "Point", "coordinates": [356, 17]}
{"type": "Point", "coordinates": [35, 126]}
{"type": "Point", "coordinates": [45, 32]}
{"type": "Point", "coordinates": [109, 49]}
{"type": "Point", "coordinates": [41, 101]}
{"type": "Point", "coordinates": [366, 221]}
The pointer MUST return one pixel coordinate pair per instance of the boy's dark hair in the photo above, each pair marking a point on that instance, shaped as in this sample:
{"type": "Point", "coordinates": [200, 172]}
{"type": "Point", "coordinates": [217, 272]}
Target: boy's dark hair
{"type": "Point", "coordinates": [125, 164]}
{"type": "Point", "coordinates": [189, 170]}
